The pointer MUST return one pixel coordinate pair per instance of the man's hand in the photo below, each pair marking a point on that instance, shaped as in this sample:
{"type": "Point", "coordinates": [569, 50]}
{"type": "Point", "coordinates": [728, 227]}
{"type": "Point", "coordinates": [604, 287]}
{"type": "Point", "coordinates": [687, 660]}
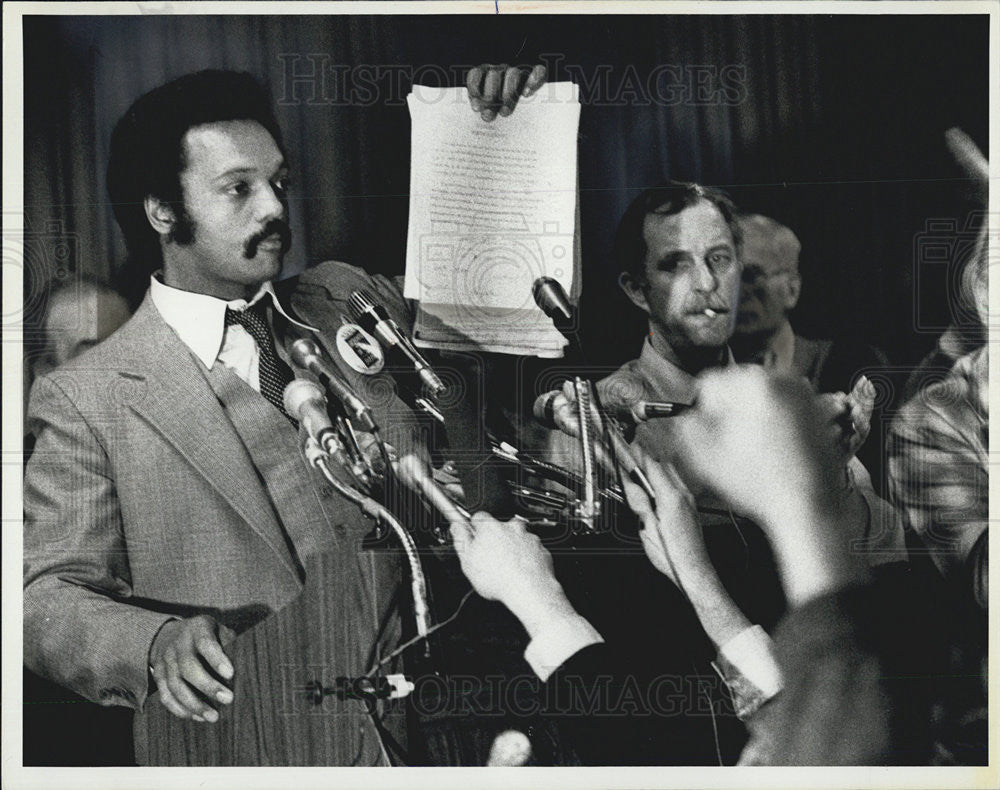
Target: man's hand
{"type": "Point", "coordinates": [562, 412]}
{"type": "Point", "coordinates": [759, 441]}
{"type": "Point", "coordinates": [185, 658]}
{"type": "Point", "coordinates": [671, 534]}
{"type": "Point", "coordinates": [675, 544]}
{"type": "Point", "coordinates": [506, 563]}
{"type": "Point", "coordinates": [495, 89]}
{"type": "Point", "coordinates": [849, 417]}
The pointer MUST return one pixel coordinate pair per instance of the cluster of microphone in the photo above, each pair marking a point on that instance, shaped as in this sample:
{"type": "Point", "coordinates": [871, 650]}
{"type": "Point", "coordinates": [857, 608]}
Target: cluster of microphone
{"type": "Point", "coordinates": [335, 438]}
{"type": "Point", "coordinates": [331, 412]}
{"type": "Point", "coordinates": [307, 401]}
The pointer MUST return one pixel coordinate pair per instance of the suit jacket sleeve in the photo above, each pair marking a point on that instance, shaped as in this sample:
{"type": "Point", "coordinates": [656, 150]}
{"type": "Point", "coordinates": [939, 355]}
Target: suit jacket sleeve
{"type": "Point", "coordinates": [80, 627]}
{"type": "Point", "coordinates": [612, 712]}
{"type": "Point", "coordinates": [860, 665]}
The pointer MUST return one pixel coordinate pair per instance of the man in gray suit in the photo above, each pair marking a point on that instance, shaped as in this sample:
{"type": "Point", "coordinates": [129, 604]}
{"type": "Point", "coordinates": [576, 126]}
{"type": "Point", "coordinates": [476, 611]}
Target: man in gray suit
{"type": "Point", "coordinates": [168, 505]}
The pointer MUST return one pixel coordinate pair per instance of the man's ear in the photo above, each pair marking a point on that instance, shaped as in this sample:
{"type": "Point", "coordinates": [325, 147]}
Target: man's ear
{"type": "Point", "coordinates": [633, 290]}
{"type": "Point", "coordinates": [159, 214]}
{"type": "Point", "coordinates": [793, 287]}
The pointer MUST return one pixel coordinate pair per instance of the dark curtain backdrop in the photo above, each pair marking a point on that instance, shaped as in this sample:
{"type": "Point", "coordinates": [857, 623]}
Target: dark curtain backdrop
{"type": "Point", "coordinates": [832, 125]}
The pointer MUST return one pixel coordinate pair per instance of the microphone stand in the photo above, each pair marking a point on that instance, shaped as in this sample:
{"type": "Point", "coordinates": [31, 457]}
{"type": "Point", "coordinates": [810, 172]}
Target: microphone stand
{"type": "Point", "coordinates": [551, 299]}
{"type": "Point", "coordinates": [590, 507]}
{"type": "Point", "coordinates": [318, 458]}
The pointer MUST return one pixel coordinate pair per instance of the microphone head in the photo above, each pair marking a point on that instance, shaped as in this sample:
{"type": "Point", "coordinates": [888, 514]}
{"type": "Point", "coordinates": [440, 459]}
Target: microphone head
{"type": "Point", "coordinates": [543, 409]}
{"type": "Point", "coordinates": [651, 410]}
{"type": "Point", "coordinates": [510, 748]}
{"type": "Point", "coordinates": [298, 393]}
{"type": "Point", "coordinates": [360, 303]}
{"type": "Point", "coordinates": [552, 299]}
{"type": "Point", "coordinates": [303, 351]}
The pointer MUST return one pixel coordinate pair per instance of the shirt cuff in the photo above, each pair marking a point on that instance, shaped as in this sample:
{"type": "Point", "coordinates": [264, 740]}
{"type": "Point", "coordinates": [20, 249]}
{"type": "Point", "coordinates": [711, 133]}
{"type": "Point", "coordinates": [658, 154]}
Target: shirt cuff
{"type": "Point", "coordinates": [557, 642]}
{"type": "Point", "coordinates": [748, 665]}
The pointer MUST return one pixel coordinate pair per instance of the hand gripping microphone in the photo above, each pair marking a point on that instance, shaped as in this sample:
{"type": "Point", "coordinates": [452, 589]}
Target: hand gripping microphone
{"type": "Point", "coordinates": [306, 354]}
{"type": "Point", "coordinates": [417, 477]}
{"type": "Point", "coordinates": [554, 410]}
{"type": "Point", "coordinates": [376, 320]}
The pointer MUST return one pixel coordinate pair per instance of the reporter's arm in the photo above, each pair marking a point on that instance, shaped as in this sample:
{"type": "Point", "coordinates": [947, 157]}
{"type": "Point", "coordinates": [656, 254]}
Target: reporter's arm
{"type": "Point", "coordinates": [859, 663]}
{"type": "Point", "coordinates": [674, 543]}
{"type": "Point", "coordinates": [506, 563]}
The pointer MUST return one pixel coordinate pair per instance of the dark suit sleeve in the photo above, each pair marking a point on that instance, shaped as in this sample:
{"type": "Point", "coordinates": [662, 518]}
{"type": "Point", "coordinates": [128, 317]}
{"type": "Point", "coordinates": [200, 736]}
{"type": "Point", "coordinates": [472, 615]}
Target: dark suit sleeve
{"type": "Point", "coordinates": [79, 628]}
{"type": "Point", "coordinates": [859, 668]}
{"type": "Point", "coordinates": [612, 713]}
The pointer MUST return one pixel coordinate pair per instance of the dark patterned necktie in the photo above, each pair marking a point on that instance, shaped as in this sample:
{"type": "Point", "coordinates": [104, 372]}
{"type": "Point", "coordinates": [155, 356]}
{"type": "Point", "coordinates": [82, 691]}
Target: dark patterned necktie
{"type": "Point", "coordinates": [274, 373]}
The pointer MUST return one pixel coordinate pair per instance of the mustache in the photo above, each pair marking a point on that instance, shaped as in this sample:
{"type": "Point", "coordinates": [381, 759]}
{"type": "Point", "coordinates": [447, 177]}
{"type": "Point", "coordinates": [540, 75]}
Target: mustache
{"type": "Point", "coordinates": [274, 227]}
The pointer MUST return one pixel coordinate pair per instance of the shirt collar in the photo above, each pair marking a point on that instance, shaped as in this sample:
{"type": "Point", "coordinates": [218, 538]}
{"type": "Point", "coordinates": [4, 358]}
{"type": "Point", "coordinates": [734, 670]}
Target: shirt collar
{"type": "Point", "coordinates": [669, 381]}
{"type": "Point", "coordinates": [199, 319]}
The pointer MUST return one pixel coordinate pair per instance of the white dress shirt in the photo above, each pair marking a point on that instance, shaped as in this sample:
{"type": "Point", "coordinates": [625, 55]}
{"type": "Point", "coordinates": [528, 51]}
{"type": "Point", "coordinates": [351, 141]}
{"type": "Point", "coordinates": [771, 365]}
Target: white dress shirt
{"type": "Point", "coordinates": [200, 322]}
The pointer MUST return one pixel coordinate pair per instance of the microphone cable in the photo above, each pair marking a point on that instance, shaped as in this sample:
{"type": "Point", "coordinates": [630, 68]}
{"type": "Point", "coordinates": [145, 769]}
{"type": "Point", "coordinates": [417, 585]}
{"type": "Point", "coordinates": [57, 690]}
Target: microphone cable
{"type": "Point", "coordinates": [410, 642]}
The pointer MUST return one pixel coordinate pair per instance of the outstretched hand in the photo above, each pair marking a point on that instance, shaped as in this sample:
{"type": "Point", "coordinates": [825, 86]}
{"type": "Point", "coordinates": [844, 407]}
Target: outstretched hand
{"type": "Point", "coordinates": [506, 563]}
{"type": "Point", "coordinates": [675, 544]}
{"type": "Point", "coordinates": [671, 535]}
{"type": "Point", "coordinates": [761, 443]}
{"type": "Point", "coordinates": [849, 417]}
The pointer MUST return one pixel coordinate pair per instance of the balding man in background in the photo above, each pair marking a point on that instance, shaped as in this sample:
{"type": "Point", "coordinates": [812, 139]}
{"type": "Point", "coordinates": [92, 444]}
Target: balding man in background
{"type": "Point", "coordinates": [764, 334]}
{"type": "Point", "coordinates": [80, 316]}
{"type": "Point", "coordinates": [80, 313]}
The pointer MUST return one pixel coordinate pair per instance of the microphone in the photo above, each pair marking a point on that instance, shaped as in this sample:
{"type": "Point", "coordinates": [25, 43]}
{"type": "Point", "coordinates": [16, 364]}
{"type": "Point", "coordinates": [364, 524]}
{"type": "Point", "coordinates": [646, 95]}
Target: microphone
{"type": "Point", "coordinates": [650, 410]}
{"type": "Point", "coordinates": [643, 410]}
{"type": "Point", "coordinates": [554, 410]}
{"type": "Point", "coordinates": [417, 477]}
{"type": "Point", "coordinates": [306, 354]}
{"type": "Point", "coordinates": [556, 413]}
{"type": "Point", "coordinates": [376, 320]}
{"type": "Point", "coordinates": [304, 400]}
{"type": "Point", "coordinates": [510, 748]}
{"type": "Point", "coordinates": [551, 298]}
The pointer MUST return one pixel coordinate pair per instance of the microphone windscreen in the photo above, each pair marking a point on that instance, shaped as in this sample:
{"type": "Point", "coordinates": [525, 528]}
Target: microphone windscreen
{"type": "Point", "coordinates": [544, 410]}
{"type": "Point", "coordinates": [551, 298]}
{"type": "Point", "coordinates": [298, 393]}
{"type": "Point", "coordinates": [510, 748]}
{"type": "Point", "coordinates": [303, 352]}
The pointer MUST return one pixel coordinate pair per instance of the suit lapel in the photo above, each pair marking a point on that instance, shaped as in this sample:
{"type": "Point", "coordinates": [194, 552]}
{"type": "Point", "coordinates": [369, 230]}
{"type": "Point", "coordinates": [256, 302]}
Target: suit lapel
{"type": "Point", "coordinates": [182, 406]}
{"type": "Point", "coordinates": [315, 306]}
